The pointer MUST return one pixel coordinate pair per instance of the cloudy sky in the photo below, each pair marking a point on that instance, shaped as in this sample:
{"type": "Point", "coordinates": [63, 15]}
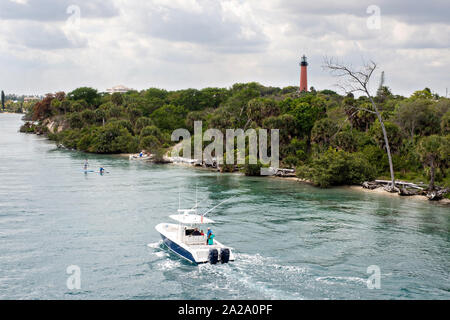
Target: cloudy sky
{"type": "Point", "coordinates": [53, 45]}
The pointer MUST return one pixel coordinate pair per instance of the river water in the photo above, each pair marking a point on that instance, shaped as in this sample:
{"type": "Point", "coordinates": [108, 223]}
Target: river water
{"type": "Point", "coordinates": [292, 241]}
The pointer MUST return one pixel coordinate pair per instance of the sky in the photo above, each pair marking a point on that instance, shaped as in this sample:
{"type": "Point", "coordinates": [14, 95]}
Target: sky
{"type": "Point", "coordinates": [59, 45]}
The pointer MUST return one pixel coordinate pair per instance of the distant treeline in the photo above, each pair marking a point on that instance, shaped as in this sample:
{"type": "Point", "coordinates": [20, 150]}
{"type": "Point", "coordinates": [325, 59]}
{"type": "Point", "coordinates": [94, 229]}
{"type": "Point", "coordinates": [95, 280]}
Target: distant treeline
{"type": "Point", "coordinates": [15, 103]}
{"type": "Point", "coordinates": [327, 137]}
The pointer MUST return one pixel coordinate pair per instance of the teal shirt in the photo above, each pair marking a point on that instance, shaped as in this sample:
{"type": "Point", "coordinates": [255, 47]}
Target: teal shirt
{"type": "Point", "coordinates": [210, 240]}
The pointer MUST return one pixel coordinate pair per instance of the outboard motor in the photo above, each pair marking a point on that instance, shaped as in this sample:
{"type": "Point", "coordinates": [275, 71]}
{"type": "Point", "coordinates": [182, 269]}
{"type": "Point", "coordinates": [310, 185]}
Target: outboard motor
{"type": "Point", "coordinates": [213, 256]}
{"type": "Point", "coordinates": [225, 255]}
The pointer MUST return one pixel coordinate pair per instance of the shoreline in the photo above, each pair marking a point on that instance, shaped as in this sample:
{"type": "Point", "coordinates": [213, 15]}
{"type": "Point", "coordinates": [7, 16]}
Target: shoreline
{"type": "Point", "coordinates": [380, 190]}
{"type": "Point", "coordinates": [357, 188]}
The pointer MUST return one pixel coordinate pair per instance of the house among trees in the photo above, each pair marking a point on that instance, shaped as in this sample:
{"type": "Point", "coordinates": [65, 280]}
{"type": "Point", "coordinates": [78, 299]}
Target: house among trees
{"type": "Point", "coordinates": [31, 99]}
{"type": "Point", "coordinates": [119, 89]}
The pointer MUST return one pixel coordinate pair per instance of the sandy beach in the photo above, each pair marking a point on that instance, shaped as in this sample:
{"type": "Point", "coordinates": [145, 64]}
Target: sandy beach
{"type": "Point", "coordinates": [389, 194]}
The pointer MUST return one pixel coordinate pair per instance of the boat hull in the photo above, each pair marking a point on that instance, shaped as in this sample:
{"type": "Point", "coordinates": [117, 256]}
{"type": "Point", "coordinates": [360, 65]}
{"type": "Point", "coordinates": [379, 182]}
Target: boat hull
{"type": "Point", "coordinates": [175, 248]}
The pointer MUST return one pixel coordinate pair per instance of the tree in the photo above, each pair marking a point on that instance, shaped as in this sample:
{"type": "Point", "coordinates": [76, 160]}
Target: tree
{"type": "Point", "coordinates": [358, 81]}
{"type": "Point", "coordinates": [150, 143]}
{"type": "Point", "coordinates": [151, 131]}
{"type": "Point", "coordinates": [89, 95]}
{"type": "Point", "coordinates": [100, 116]}
{"type": "Point", "coordinates": [445, 123]}
{"type": "Point", "coordinates": [117, 98]}
{"type": "Point", "coordinates": [141, 123]}
{"type": "Point", "coordinates": [337, 168]}
{"type": "Point", "coordinates": [410, 113]}
{"type": "Point", "coordinates": [3, 100]}
{"type": "Point", "coordinates": [393, 133]}
{"type": "Point", "coordinates": [433, 150]}
{"type": "Point", "coordinates": [237, 104]}
{"type": "Point", "coordinates": [134, 114]}
{"type": "Point", "coordinates": [88, 116]}
{"type": "Point", "coordinates": [76, 121]}
{"type": "Point", "coordinates": [113, 138]}
{"type": "Point", "coordinates": [43, 109]}
{"type": "Point", "coordinates": [213, 97]}
{"type": "Point", "coordinates": [169, 117]}
{"type": "Point", "coordinates": [357, 117]}
{"type": "Point", "coordinates": [190, 99]}
{"type": "Point", "coordinates": [156, 93]}
{"type": "Point", "coordinates": [323, 131]}
{"type": "Point", "coordinates": [346, 140]}
{"type": "Point", "coordinates": [285, 123]}
{"type": "Point", "coordinates": [422, 94]}
{"type": "Point", "coordinates": [259, 109]}
{"type": "Point", "coordinates": [306, 114]}
{"type": "Point", "coordinates": [60, 95]}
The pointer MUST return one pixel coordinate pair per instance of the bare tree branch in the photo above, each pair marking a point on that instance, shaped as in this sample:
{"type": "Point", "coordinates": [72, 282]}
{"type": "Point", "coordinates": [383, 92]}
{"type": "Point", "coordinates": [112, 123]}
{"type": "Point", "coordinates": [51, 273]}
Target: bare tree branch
{"type": "Point", "coordinates": [357, 80]}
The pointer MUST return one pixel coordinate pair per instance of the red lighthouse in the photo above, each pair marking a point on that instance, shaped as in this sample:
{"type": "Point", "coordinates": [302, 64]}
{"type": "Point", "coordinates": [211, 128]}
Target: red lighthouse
{"type": "Point", "coordinates": [303, 74]}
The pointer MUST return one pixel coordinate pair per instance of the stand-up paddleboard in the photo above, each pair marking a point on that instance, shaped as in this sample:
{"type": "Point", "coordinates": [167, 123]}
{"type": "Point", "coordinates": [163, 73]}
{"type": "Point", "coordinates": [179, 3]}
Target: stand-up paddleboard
{"type": "Point", "coordinates": [92, 171]}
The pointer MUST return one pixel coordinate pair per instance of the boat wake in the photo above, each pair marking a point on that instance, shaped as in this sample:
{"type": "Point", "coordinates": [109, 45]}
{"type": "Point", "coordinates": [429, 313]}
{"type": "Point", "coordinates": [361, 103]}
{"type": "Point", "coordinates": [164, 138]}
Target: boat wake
{"type": "Point", "coordinates": [168, 264]}
{"type": "Point", "coordinates": [158, 249]}
{"type": "Point", "coordinates": [155, 245]}
{"type": "Point", "coordinates": [249, 277]}
{"type": "Point", "coordinates": [341, 280]}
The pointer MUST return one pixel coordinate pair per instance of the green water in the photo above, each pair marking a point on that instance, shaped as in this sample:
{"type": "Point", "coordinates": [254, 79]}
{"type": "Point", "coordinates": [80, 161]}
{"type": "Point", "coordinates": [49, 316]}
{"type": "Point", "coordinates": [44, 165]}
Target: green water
{"type": "Point", "coordinates": [292, 241]}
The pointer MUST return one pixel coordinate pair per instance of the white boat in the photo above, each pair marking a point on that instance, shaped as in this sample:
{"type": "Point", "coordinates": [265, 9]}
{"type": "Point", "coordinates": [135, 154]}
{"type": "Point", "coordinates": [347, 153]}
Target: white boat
{"type": "Point", "coordinates": [179, 239]}
{"type": "Point", "coordinates": [140, 156]}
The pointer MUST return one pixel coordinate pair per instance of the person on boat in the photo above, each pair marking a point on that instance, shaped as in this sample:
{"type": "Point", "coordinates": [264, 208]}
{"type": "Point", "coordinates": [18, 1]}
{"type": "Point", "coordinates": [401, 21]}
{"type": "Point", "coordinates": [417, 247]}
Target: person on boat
{"type": "Point", "coordinates": [86, 164]}
{"type": "Point", "coordinates": [202, 233]}
{"type": "Point", "coordinates": [141, 154]}
{"type": "Point", "coordinates": [211, 239]}
{"type": "Point", "coordinates": [196, 232]}
{"type": "Point", "coordinates": [208, 234]}
{"type": "Point", "coordinates": [102, 170]}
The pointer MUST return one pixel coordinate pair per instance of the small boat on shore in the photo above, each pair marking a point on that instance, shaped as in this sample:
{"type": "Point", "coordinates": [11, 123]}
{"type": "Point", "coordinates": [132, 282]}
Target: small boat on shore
{"type": "Point", "coordinates": [140, 156]}
{"type": "Point", "coordinates": [184, 239]}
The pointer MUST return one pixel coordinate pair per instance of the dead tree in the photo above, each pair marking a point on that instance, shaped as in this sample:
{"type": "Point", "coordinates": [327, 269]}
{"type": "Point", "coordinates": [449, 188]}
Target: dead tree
{"type": "Point", "coordinates": [351, 81]}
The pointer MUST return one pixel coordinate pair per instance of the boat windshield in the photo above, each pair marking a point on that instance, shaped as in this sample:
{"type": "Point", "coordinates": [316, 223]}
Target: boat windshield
{"type": "Point", "coordinates": [191, 219]}
{"type": "Point", "coordinates": [193, 232]}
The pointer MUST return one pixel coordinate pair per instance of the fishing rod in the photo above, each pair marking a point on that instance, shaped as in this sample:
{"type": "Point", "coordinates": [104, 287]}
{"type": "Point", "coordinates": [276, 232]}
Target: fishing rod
{"type": "Point", "coordinates": [204, 214]}
{"type": "Point", "coordinates": [198, 203]}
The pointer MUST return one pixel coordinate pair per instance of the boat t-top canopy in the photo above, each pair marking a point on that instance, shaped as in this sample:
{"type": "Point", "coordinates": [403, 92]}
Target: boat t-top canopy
{"type": "Point", "coordinates": [187, 218]}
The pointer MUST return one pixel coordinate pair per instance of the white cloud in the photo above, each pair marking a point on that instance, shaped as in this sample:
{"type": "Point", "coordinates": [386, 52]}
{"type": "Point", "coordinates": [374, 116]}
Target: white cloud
{"type": "Point", "coordinates": [197, 43]}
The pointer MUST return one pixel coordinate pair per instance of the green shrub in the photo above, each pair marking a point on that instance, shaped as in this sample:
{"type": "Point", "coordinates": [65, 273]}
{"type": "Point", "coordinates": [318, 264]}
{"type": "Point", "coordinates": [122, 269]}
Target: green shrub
{"type": "Point", "coordinates": [252, 169]}
{"type": "Point", "coordinates": [338, 168]}
{"type": "Point", "coordinates": [150, 131]}
{"type": "Point", "coordinates": [291, 161]}
{"type": "Point", "coordinates": [150, 143]}
{"type": "Point", "coordinates": [88, 116]}
{"type": "Point", "coordinates": [141, 123]}
{"type": "Point", "coordinates": [113, 138]}
{"type": "Point", "coordinates": [75, 120]}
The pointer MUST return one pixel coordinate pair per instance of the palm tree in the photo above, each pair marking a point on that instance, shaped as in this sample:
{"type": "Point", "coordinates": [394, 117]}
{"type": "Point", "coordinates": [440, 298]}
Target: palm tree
{"type": "Point", "coordinates": [432, 152]}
